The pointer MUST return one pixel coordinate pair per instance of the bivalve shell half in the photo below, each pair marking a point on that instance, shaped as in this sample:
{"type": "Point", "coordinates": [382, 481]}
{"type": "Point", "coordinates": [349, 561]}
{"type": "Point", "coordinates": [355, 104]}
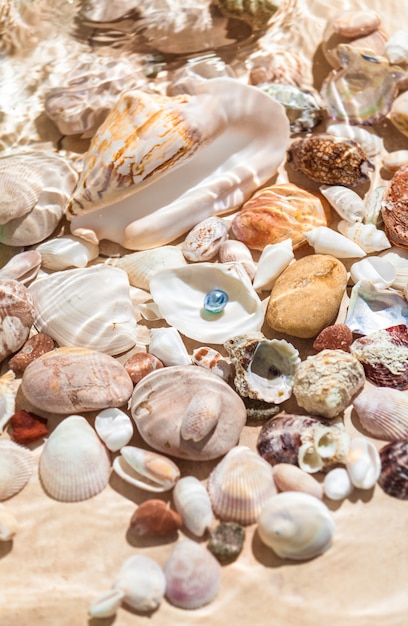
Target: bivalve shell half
{"type": "Point", "coordinates": [74, 464]}
{"type": "Point", "coordinates": [363, 463]}
{"type": "Point", "coordinates": [143, 265]}
{"type": "Point", "coordinates": [383, 413]}
{"type": "Point", "coordinates": [147, 470]}
{"type": "Point", "coordinates": [296, 526]}
{"type": "Point", "coordinates": [114, 427]}
{"type": "Point", "coordinates": [192, 501]}
{"type": "Point", "coordinates": [16, 468]}
{"type": "Point", "coordinates": [394, 469]}
{"type": "Point", "coordinates": [67, 251]}
{"type": "Point", "coordinates": [240, 485]}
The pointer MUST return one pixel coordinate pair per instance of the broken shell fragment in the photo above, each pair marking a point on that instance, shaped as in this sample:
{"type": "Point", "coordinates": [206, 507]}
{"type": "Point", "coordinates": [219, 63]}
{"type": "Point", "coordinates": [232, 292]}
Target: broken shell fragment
{"type": "Point", "coordinates": [146, 470]}
{"type": "Point", "coordinates": [335, 337]}
{"type": "Point", "coordinates": [8, 392]}
{"type": "Point", "coordinates": [154, 518]}
{"type": "Point", "coordinates": [363, 463]}
{"type": "Point", "coordinates": [16, 468]}
{"type": "Point", "coordinates": [394, 469]}
{"type": "Point", "coordinates": [383, 413]}
{"type": "Point", "coordinates": [192, 501]}
{"type": "Point", "coordinates": [140, 364]}
{"type": "Point", "coordinates": [17, 314]}
{"type": "Point", "coordinates": [68, 251]}
{"type": "Point", "coordinates": [34, 347]}
{"type": "Point", "coordinates": [114, 427]}
{"type": "Point", "coordinates": [27, 427]}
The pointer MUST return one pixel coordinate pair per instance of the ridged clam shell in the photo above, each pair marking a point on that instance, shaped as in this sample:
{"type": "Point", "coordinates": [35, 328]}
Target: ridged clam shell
{"type": "Point", "coordinates": [17, 314]}
{"type": "Point", "coordinates": [375, 269]}
{"type": "Point", "coordinates": [363, 463]}
{"type": "Point", "coordinates": [273, 260]}
{"type": "Point", "coordinates": [8, 524]}
{"type": "Point", "coordinates": [114, 427]}
{"type": "Point", "coordinates": [394, 469]}
{"type": "Point", "coordinates": [147, 470]}
{"type": "Point", "coordinates": [142, 582]}
{"type": "Point", "coordinates": [74, 464]}
{"type": "Point", "coordinates": [394, 160]}
{"type": "Point", "coordinates": [167, 345]}
{"type": "Point", "coordinates": [143, 265]}
{"type": "Point", "coordinates": [399, 259]}
{"type": "Point", "coordinates": [21, 183]}
{"type": "Point", "coordinates": [240, 485]}
{"type": "Point", "coordinates": [192, 501]}
{"type": "Point", "coordinates": [23, 266]}
{"type": "Point", "coordinates": [193, 575]}
{"type": "Point", "coordinates": [337, 484]}
{"type": "Point", "coordinates": [327, 241]}
{"type": "Point", "coordinates": [346, 202]}
{"type": "Point", "coordinates": [384, 356]}
{"type": "Point", "coordinates": [68, 251]}
{"type": "Point", "coordinates": [200, 417]}
{"type": "Point", "coordinates": [8, 391]}
{"type": "Point", "coordinates": [86, 307]}
{"type": "Point", "coordinates": [369, 141]}
{"type": "Point", "coordinates": [205, 239]}
{"type": "Point", "coordinates": [367, 236]}
{"type": "Point", "coordinates": [16, 468]}
{"type": "Point", "coordinates": [396, 48]}
{"type": "Point", "coordinates": [166, 132]}
{"type": "Point", "coordinates": [296, 526]}
{"type": "Point", "coordinates": [383, 413]}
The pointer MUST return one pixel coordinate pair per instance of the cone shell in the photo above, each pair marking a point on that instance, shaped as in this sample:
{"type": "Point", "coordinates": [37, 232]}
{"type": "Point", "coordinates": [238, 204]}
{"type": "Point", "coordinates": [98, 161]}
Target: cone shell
{"type": "Point", "coordinates": [383, 413]}
{"type": "Point", "coordinates": [74, 464]}
{"type": "Point", "coordinates": [240, 485]}
{"type": "Point", "coordinates": [192, 501]}
{"type": "Point", "coordinates": [16, 468]}
{"type": "Point", "coordinates": [394, 469]}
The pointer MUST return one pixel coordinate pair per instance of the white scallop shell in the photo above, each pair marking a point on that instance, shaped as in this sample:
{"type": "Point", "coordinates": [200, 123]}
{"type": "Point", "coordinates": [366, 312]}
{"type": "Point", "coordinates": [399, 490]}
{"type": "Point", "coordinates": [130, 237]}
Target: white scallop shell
{"type": "Point", "coordinates": [86, 307]}
{"type": "Point", "coordinates": [16, 468]}
{"type": "Point", "coordinates": [273, 260]}
{"type": "Point", "coordinates": [114, 427]}
{"type": "Point", "coordinates": [324, 240]}
{"type": "Point", "coordinates": [167, 345]}
{"type": "Point", "coordinates": [375, 269]}
{"type": "Point", "coordinates": [205, 239]}
{"type": "Point", "coordinates": [143, 265]}
{"type": "Point", "coordinates": [147, 470]}
{"type": "Point", "coordinates": [8, 391]}
{"type": "Point", "coordinates": [192, 501]}
{"type": "Point", "coordinates": [399, 259]}
{"type": "Point", "coordinates": [23, 267]}
{"type": "Point", "coordinates": [296, 525]}
{"type": "Point", "coordinates": [8, 524]}
{"type": "Point", "coordinates": [367, 236]}
{"type": "Point", "coordinates": [394, 160]}
{"type": "Point", "coordinates": [370, 142]}
{"type": "Point", "coordinates": [346, 202]}
{"type": "Point", "coordinates": [179, 294]}
{"type": "Point", "coordinates": [172, 191]}
{"type": "Point", "coordinates": [396, 48]}
{"type": "Point", "coordinates": [74, 464]}
{"type": "Point", "coordinates": [240, 485]}
{"type": "Point", "coordinates": [337, 484]}
{"type": "Point", "coordinates": [363, 463]}
{"type": "Point", "coordinates": [142, 582]}
{"type": "Point", "coordinates": [66, 251]}
{"type": "Point", "coordinates": [383, 413]}
{"type": "Point", "coordinates": [234, 251]}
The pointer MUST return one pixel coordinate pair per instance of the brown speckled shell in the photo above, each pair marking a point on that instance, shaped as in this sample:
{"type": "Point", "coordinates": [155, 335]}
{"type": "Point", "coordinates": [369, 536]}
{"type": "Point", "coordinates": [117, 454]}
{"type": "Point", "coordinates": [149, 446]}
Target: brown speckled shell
{"type": "Point", "coordinates": [16, 316]}
{"type": "Point", "coordinates": [34, 347]}
{"type": "Point", "coordinates": [330, 160]}
{"type": "Point", "coordinates": [335, 337]}
{"type": "Point", "coordinates": [395, 209]}
{"type": "Point", "coordinates": [394, 469]}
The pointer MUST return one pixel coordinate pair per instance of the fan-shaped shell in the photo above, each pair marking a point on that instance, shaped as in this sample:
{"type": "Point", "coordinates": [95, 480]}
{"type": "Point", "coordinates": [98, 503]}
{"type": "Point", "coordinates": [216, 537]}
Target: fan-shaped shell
{"type": "Point", "coordinates": [240, 485]}
{"type": "Point", "coordinates": [21, 183]}
{"type": "Point", "coordinates": [394, 207]}
{"type": "Point", "coordinates": [383, 413]}
{"type": "Point", "coordinates": [74, 464]}
{"type": "Point", "coordinates": [192, 501]}
{"type": "Point", "coordinates": [67, 251]}
{"type": "Point", "coordinates": [16, 468]}
{"type": "Point", "coordinates": [145, 469]}
{"type": "Point", "coordinates": [296, 526]}
{"type": "Point", "coordinates": [143, 265]}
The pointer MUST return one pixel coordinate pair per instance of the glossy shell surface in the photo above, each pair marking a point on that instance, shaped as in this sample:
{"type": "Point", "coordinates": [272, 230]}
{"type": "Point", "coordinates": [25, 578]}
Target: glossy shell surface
{"type": "Point", "coordinates": [383, 413]}
{"type": "Point", "coordinates": [394, 468]}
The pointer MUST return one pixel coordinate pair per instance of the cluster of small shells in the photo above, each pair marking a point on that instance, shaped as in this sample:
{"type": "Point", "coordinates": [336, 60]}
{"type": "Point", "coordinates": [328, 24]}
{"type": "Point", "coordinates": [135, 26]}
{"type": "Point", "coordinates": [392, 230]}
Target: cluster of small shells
{"type": "Point", "coordinates": [69, 314]}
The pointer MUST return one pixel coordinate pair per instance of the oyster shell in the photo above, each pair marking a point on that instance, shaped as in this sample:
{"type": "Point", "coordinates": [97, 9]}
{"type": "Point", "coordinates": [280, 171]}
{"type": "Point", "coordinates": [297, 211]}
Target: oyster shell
{"type": "Point", "coordinates": [264, 368]}
{"type": "Point", "coordinates": [394, 469]}
{"type": "Point", "coordinates": [147, 470]}
{"type": "Point", "coordinates": [227, 165]}
{"type": "Point", "coordinates": [383, 413]}
{"type": "Point", "coordinates": [16, 468]}
{"type": "Point", "coordinates": [192, 501]}
{"type": "Point", "coordinates": [371, 308]}
{"type": "Point", "coordinates": [159, 412]}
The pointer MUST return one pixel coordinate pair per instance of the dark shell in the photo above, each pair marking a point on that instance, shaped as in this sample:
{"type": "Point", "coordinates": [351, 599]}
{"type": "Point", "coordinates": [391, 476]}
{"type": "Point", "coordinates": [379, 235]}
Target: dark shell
{"type": "Point", "coordinates": [330, 160]}
{"type": "Point", "coordinates": [395, 209]}
{"type": "Point", "coordinates": [34, 347]}
{"type": "Point", "coordinates": [394, 469]}
{"type": "Point", "coordinates": [335, 337]}
{"type": "Point", "coordinates": [226, 541]}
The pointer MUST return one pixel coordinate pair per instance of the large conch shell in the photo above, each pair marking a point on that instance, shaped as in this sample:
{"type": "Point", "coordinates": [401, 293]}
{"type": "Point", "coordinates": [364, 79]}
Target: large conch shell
{"type": "Point", "coordinates": [211, 151]}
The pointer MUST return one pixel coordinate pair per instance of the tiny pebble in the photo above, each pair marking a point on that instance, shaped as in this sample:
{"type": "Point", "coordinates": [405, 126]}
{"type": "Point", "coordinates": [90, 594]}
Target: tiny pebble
{"type": "Point", "coordinates": [226, 541]}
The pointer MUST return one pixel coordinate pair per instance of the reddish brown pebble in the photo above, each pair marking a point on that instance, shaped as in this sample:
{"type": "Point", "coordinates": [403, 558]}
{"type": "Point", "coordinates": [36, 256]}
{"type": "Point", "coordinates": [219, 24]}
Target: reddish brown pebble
{"type": "Point", "coordinates": [155, 519]}
{"type": "Point", "coordinates": [27, 427]}
{"type": "Point", "coordinates": [34, 347]}
{"type": "Point", "coordinates": [336, 337]}
{"type": "Point", "coordinates": [141, 364]}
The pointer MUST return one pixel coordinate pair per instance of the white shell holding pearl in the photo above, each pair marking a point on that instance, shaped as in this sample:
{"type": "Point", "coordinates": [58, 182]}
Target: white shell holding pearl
{"type": "Point", "coordinates": [363, 463]}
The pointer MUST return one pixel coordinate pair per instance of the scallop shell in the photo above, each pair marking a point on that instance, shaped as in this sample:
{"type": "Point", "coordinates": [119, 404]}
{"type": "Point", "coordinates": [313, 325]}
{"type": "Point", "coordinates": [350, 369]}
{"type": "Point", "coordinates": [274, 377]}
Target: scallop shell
{"type": "Point", "coordinates": [23, 267]}
{"type": "Point", "coordinates": [143, 265]}
{"type": "Point", "coordinates": [192, 501]}
{"type": "Point", "coordinates": [8, 524]}
{"type": "Point", "coordinates": [87, 307]}
{"type": "Point", "coordinates": [264, 368]}
{"type": "Point", "coordinates": [399, 259]}
{"type": "Point", "coordinates": [205, 239]}
{"type": "Point", "coordinates": [277, 213]}
{"type": "Point", "coordinates": [68, 251]}
{"type": "Point", "coordinates": [21, 183]}
{"type": "Point", "coordinates": [375, 269]}
{"type": "Point", "coordinates": [394, 469]}
{"type": "Point", "coordinates": [193, 575]}
{"type": "Point", "coordinates": [394, 208]}
{"type": "Point", "coordinates": [367, 236]}
{"type": "Point", "coordinates": [16, 468]}
{"type": "Point", "coordinates": [273, 260]}
{"type": "Point", "coordinates": [396, 48]}
{"type": "Point", "coordinates": [158, 412]}
{"type": "Point", "coordinates": [234, 251]}
{"type": "Point", "coordinates": [214, 361]}
{"type": "Point", "coordinates": [371, 143]}
{"type": "Point", "coordinates": [363, 463]}
{"type": "Point", "coordinates": [114, 427]}
{"type": "Point", "coordinates": [384, 356]}
{"type": "Point", "coordinates": [296, 526]}
{"type": "Point", "coordinates": [327, 241]}
{"type": "Point", "coordinates": [147, 470]}
{"type": "Point", "coordinates": [227, 165]}
{"type": "Point", "coordinates": [17, 314]}
{"type": "Point", "coordinates": [325, 383]}
{"type": "Point", "coordinates": [240, 485]}
{"type": "Point", "coordinates": [383, 413]}
{"type": "Point", "coordinates": [337, 484]}
{"type": "Point", "coordinates": [167, 345]}
{"type": "Point", "coordinates": [180, 292]}
{"type": "Point", "coordinates": [394, 160]}
{"type": "Point", "coordinates": [74, 464]}
{"type": "Point", "coordinates": [8, 391]}
{"type": "Point", "coordinates": [372, 308]}
{"type": "Point", "coordinates": [310, 443]}
{"type": "Point", "coordinates": [346, 202]}
{"type": "Point", "coordinates": [142, 582]}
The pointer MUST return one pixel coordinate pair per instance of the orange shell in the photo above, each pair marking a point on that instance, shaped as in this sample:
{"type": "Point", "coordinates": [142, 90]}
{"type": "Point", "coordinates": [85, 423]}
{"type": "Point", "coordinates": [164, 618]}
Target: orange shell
{"type": "Point", "coordinates": [278, 212]}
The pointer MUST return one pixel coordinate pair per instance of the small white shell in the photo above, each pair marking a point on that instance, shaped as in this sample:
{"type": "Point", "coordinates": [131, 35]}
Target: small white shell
{"type": "Point", "coordinates": [346, 202]}
{"type": "Point", "coordinates": [273, 260]}
{"type": "Point", "coordinates": [337, 484]}
{"type": "Point", "coordinates": [67, 251]}
{"type": "Point", "coordinates": [324, 240]}
{"type": "Point", "coordinates": [363, 463]}
{"type": "Point", "coordinates": [147, 470]}
{"type": "Point", "coordinates": [234, 251]}
{"type": "Point", "coordinates": [369, 141]}
{"type": "Point", "coordinates": [399, 259]}
{"type": "Point", "coordinates": [16, 468]}
{"type": "Point", "coordinates": [375, 269]}
{"type": "Point", "coordinates": [142, 582]}
{"type": "Point", "coordinates": [367, 236]}
{"type": "Point", "coordinates": [114, 427]}
{"type": "Point", "coordinates": [167, 345]}
{"type": "Point", "coordinates": [205, 239]}
{"type": "Point", "coordinates": [107, 604]}
{"type": "Point", "coordinates": [396, 48]}
{"type": "Point", "coordinates": [8, 524]}
{"type": "Point", "coordinates": [193, 503]}
{"type": "Point", "coordinates": [143, 265]}
{"type": "Point", "coordinates": [394, 160]}
{"type": "Point", "coordinates": [296, 525]}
